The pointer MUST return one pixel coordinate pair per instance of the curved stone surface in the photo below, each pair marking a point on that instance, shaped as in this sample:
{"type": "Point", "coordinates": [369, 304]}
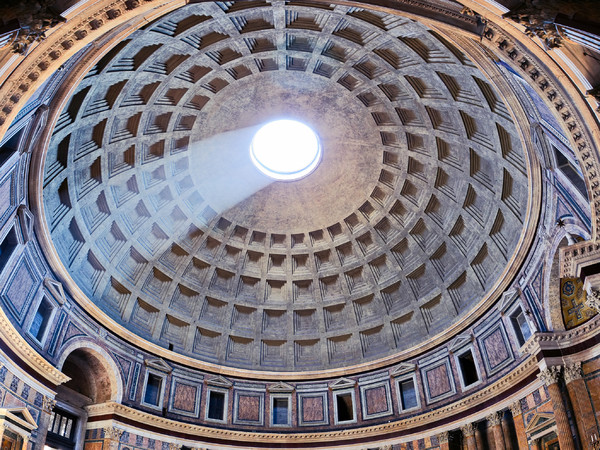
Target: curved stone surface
{"type": "Point", "coordinates": [160, 218]}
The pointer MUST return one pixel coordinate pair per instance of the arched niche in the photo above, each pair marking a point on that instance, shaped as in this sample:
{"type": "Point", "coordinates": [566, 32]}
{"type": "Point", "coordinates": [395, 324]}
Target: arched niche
{"type": "Point", "coordinates": [93, 372]}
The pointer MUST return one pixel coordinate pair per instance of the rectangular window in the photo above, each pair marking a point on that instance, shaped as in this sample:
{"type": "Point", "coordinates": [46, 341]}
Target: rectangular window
{"type": "Point", "coordinates": [408, 394]}
{"type": "Point", "coordinates": [344, 407]}
{"type": "Point", "coordinates": [520, 325]}
{"type": "Point", "coordinates": [41, 319]}
{"type": "Point", "coordinates": [468, 370]}
{"type": "Point", "coordinates": [61, 424]}
{"type": "Point", "coordinates": [280, 411]}
{"type": "Point", "coordinates": [216, 405]}
{"type": "Point", "coordinates": [7, 247]}
{"type": "Point", "coordinates": [153, 390]}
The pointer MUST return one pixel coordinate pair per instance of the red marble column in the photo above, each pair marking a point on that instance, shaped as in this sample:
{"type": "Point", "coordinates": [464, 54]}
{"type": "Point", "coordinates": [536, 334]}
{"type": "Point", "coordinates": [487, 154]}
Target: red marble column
{"type": "Point", "coordinates": [517, 413]}
{"type": "Point", "coordinates": [479, 438]}
{"type": "Point", "coordinates": [550, 376]}
{"type": "Point", "coordinates": [582, 406]}
{"type": "Point", "coordinates": [468, 431]}
{"type": "Point", "coordinates": [494, 420]}
{"type": "Point", "coordinates": [505, 423]}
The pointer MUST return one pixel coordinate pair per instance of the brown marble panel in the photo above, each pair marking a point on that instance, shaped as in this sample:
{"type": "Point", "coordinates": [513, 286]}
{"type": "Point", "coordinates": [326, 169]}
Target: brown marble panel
{"type": "Point", "coordinates": [591, 366]}
{"type": "Point", "coordinates": [376, 400]}
{"type": "Point", "coordinates": [495, 348]}
{"type": "Point", "coordinates": [20, 287]}
{"type": "Point", "coordinates": [312, 409]}
{"type": "Point", "coordinates": [248, 408]}
{"type": "Point", "coordinates": [184, 398]}
{"type": "Point", "coordinates": [438, 381]}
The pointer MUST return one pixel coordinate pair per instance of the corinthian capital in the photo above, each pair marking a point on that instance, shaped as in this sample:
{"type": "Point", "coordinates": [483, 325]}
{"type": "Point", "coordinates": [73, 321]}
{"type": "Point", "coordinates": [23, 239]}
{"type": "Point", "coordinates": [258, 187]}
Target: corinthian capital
{"type": "Point", "coordinates": [515, 408]}
{"type": "Point", "coordinates": [573, 372]}
{"type": "Point", "coordinates": [494, 418]}
{"type": "Point", "coordinates": [48, 404]}
{"type": "Point", "coordinates": [443, 437]}
{"type": "Point", "coordinates": [468, 429]}
{"type": "Point", "coordinates": [550, 375]}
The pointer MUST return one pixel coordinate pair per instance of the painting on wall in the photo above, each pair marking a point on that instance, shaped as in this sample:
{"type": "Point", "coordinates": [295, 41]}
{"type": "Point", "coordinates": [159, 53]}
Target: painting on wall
{"type": "Point", "coordinates": [572, 298]}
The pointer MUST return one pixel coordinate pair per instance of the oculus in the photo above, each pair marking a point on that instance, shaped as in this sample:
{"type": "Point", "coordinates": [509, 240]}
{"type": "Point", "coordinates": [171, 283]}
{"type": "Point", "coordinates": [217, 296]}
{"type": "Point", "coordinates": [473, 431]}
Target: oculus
{"type": "Point", "coordinates": [285, 150]}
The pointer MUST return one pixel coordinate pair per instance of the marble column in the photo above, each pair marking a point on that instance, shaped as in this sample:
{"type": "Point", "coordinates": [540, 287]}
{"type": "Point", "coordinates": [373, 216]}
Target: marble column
{"type": "Point", "coordinates": [551, 376]}
{"type": "Point", "coordinates": [479, 438]}
{"type": "Point", "coordinates": [494, 420]}
{"type": "Point", "coordinates": [443, 438]}
{"type": "Point", "coordinates": [517, 413]}
{"type": "Point", "coordinates": [468, 431]}
{"type": "Point", "coordinates": [582, 406]}
{"type": "Point", "coordinates": [505, 423]}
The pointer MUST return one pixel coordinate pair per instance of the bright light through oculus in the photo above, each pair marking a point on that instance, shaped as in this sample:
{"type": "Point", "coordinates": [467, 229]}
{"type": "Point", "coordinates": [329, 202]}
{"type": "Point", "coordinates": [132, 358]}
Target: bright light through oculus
{"type": "Point", "coordinates": [285, 150]}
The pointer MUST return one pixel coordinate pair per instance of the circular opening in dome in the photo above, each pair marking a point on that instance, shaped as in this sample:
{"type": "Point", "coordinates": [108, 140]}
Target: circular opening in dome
{"type": "Point", "coordinates": [285, 149]}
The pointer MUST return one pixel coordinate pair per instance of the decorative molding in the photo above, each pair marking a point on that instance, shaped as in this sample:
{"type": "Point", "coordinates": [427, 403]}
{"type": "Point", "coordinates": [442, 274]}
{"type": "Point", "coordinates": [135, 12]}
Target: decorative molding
{"type": "Point", "coordinates": [56, 289]}
{"type": "Point", "coordinates": [550, 375]}
{"type": "Point", "coordinates": [342, 383]}
{"type": "Point", "coordinates": [593, 299]}
{"type": "Point", "coordinates": [460, 341]}
{"type": "Point", "coordinates": [573, 257]}
{"type": "Point", "coordinates": [402, 368]}
{"type": "Point", "coordinates": [280, 387]}
{"type": "Point", "coordinates": [507, 299]}
{"type": "Point", "coordinates": [573, 372]}
{"type": "Point", "coordinates": [13, 339]}
{"type": "Point", "coordinates": [158, 364]}
{"type": "Point", "coordinates": [219, 381]}
{"type": "Point", "coordinates": [561, 339]}
{"type": "Point", "coordinates": [27, 220]}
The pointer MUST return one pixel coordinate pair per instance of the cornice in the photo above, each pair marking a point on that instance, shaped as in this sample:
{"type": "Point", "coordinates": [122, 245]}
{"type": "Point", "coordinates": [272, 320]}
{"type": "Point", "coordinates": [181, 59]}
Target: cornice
{"type": "Point", "coordinates": [561, 340]}
{"type": "Point", "coordinates": [11, 338]}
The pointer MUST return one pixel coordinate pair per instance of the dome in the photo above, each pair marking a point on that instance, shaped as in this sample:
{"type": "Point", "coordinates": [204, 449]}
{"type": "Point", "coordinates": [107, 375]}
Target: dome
{"type": "Point", "coordinates": [410, 225]}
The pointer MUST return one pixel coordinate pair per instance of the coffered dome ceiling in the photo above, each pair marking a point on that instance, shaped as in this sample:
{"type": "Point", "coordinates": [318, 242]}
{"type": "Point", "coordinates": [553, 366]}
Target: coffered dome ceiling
{"type": "Point", "coordinates": [162, 220]}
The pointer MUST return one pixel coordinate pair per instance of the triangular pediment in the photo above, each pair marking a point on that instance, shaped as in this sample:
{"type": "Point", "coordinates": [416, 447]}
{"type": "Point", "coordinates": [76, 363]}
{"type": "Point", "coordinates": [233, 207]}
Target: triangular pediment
{"type": "Point", "coordinates": [26, 218]}
{"type": "Point", "coordinates": [158, 364]}
{"type": "Point", "coordinates": [402, 369]}
{"type": "Point", "coordinates": [507, 299]}
{"type": "Point", "coordinates": [20, 416]}
{"type": "Point", "coordinates": [460, 341]}
{"type": "Point", "coordinates": [342, 383]}
{"type": "Point", "coordinates": [281, 387]}
{"type": "Point", "coordinates": [540, 420]}
{"type": "Point", "coordinates": [219, 381]}
{"type": "Point", "coordinates": [56, 289]}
